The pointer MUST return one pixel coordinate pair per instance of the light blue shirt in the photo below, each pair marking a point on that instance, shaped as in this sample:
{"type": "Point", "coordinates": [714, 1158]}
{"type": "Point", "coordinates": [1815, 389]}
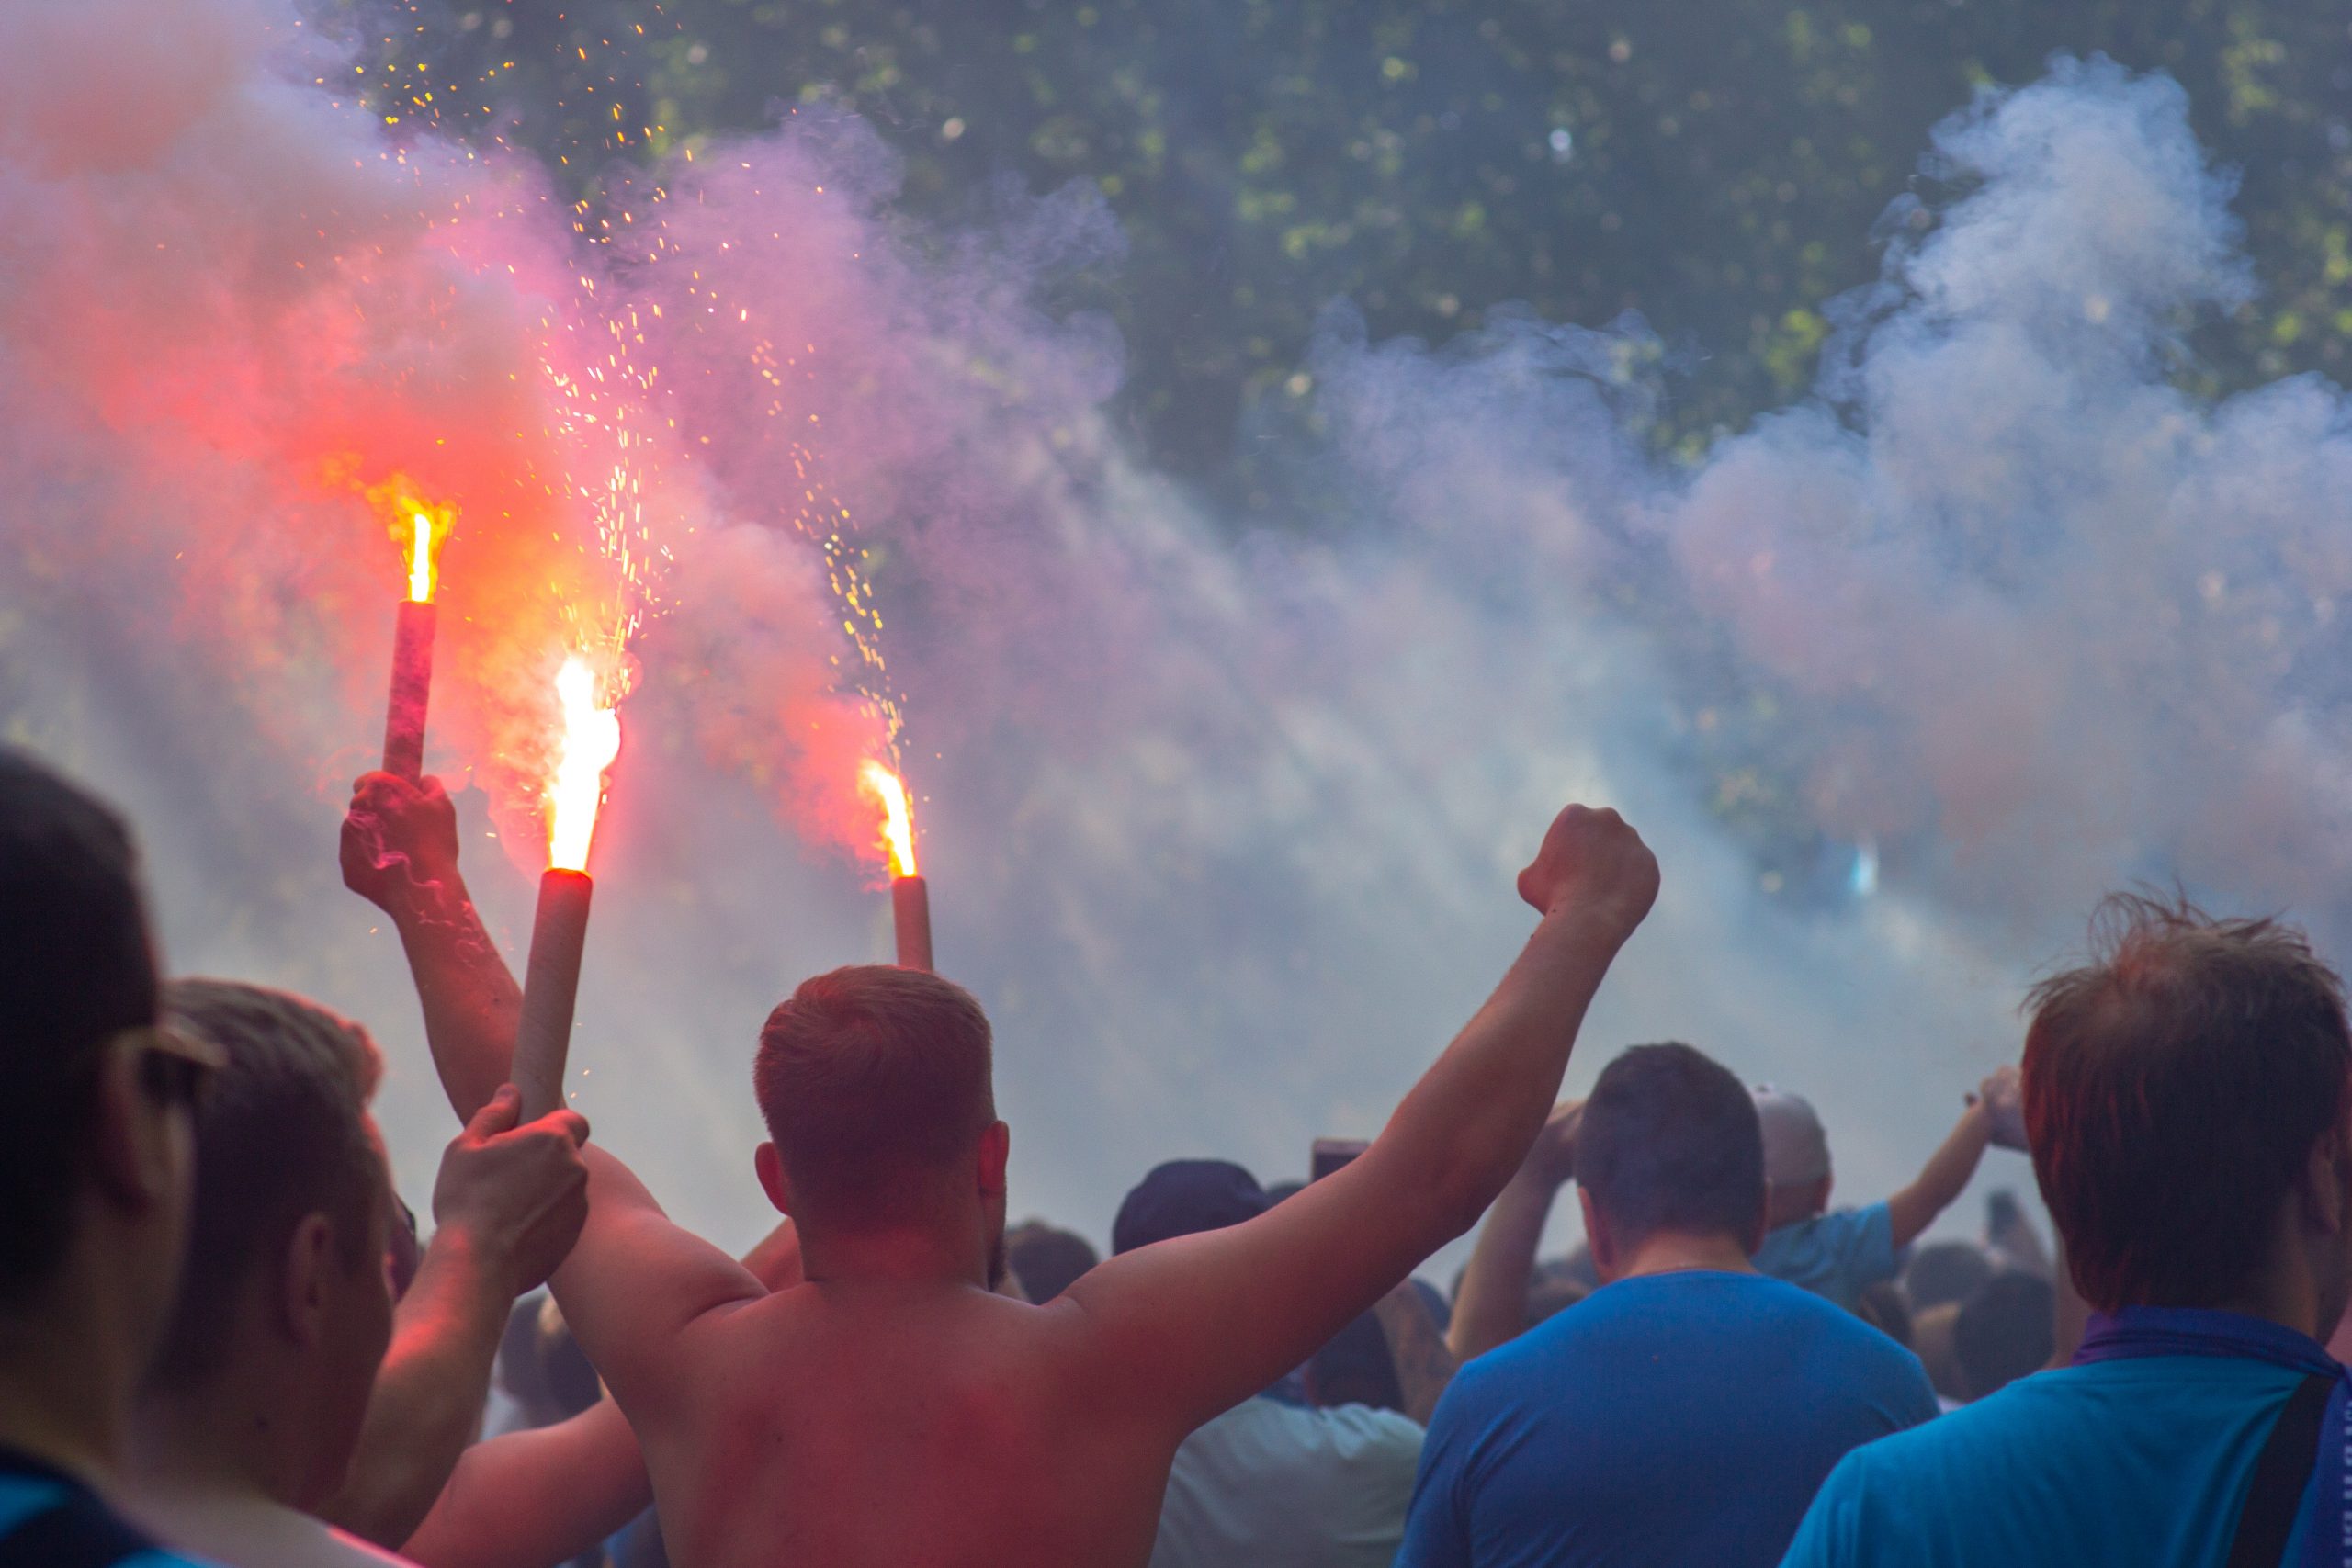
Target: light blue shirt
{"type": "Point", "coordinates": [1838, 1255]}
{"type": "Point", "coordinates": [1268, 1485]}
{"type": "Point", "coordinates": [1669, 1419]}
{"type": "Point", "coordinates": [2140, 1463]}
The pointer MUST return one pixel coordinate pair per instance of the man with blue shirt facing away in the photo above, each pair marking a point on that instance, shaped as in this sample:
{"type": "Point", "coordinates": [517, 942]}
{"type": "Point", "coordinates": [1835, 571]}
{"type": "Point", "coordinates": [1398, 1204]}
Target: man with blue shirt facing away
{"type": "Point", "coordinates": [1839, 1254]}
{"type": "Point", "coordinates": [1687, 1410]}
{"type": "Point", "coordinates": [2185, 1100]}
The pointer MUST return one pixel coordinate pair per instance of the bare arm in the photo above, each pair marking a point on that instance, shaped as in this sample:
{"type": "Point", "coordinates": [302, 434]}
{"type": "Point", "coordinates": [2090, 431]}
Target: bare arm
{"type": "Point", "coordinates": [1953, 1165]}
{"type": "Point", "coordinates": [399, 853]}
{"type": "Point", "coordinates": [633, 1278]}
{"type": "Point", "coordinates": [1424, 1364]}
{"type": "Point", "coordinates": [528, 1499]}
{"type": "Point", "coordinates": [1188, 1327]}
{"type": "Point", "coordinates": [508, 1202]}
{"type": "Point", "coordinates": [1492, 1306]}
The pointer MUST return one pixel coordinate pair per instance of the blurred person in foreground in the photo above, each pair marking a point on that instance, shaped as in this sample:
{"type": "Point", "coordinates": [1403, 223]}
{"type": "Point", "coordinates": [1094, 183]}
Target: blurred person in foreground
{"type": "Point", "coordinates": [1685, 1410]}
{"type": "Point", "coordinates": [1282, 1481]}
{"type": "Point", "coordinates": [96, 1169]}
{"type": "Point", "coordinates": [255, 1406]}
{"type": "Point", "coordinates": [2185, 1100]}
{"type": "Point", "coordinates": [891, 1409]}
{"type": "Point", "coordinates": [1841, 1253]}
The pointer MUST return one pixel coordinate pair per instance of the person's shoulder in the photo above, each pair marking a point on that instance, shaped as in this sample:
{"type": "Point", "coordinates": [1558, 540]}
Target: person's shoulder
{"type": "Point", "coordinates": [1369, 1425]}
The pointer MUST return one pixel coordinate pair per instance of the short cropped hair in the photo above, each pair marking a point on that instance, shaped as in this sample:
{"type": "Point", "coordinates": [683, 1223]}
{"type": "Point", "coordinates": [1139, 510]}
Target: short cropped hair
{"type": "Point", "coordinates": [2174, 1088]}
{"type": "Point", "coordinates": [77, 969]}
{"type": "Point", "coordinates": [1669, 1142]}
{"type": "Point", "coordinates": [2007, 1330]}
{"type": "Point", "coordinates": [873, 1079]}
{"type": "Point", "coordinates": [282, 1134]}
{"type": "Point", "coordinates": [1047, 1259]}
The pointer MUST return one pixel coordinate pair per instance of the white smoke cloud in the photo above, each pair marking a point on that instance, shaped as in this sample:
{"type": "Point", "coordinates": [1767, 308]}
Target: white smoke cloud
{"type": "Point", "coordinates": [1221, 828]}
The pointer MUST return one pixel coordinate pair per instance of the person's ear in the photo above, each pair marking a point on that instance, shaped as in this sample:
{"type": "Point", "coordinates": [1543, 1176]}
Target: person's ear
{"type": "Point", "coordinates": [138, 1147]}
{"type": "Point", "coordinates": [1763, 1226]}
{"type": "Point", "coordinates": [1828, 1186]}
{"type": "Point", "coordinates": [306, 1273]}
{"type": "Point", "coordinates": [769, 1162]}
{"type": "Point", "coordinates": [1597, 1239]}
{"type": "Point", "coordinates": [2320, 1189]}
{"type": "Point", "coordinates": [996, 1153]}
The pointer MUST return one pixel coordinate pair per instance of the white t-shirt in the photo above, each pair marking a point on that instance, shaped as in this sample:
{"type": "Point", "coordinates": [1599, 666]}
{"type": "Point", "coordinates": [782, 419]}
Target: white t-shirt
{"type": "Point", "coordinates": [1272, 1485]}
{"type": "Point", "coordinates": [252, 1532]}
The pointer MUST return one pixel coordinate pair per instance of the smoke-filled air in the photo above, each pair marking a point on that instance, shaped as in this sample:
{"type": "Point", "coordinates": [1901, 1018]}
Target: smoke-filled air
{"type": "Point", "coordinates": [1219, 804]}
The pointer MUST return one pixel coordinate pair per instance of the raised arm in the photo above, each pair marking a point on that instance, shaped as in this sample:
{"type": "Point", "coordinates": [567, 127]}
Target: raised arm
{"type": "Point", "coordinates": [399, 853]}
{"type": "Point", "coordinates": [526, 1499]}
{"type": "Point", "coordinates": [1189, 1328]}
{"type": "Point", "coordinates": [506, 1206]}
{"type": "Point", "coordinates": [1950, 1169]}
{"type": "Point", "coordinates": [633, 1279]}
{"type": "Point", "coordinates": [1492, 1306]}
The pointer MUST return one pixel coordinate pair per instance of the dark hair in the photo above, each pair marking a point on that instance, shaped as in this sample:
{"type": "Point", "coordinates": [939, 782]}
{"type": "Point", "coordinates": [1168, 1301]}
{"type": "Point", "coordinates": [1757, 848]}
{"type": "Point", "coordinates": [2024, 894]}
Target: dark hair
{"type": "Point", "coordinates": [1945, 1271]}
{"type": "Point", "coordinates": [282, 1134]}
{"type": "Point", "coordinates": [1047, 1259]}
{"type": "Point", "coordinates": [2174, 1088]}
{"type": "Point", "coordinates": [1669, 1142]}
{"type": "Point", "coordinates": [2005, 1332]}
{"type": "Point", "coordinates": [1881, 1304]}
{"type": "Point", "coordinates": [873, 1079]}
{"type": "Point", "coordinates": [1356, 1368]}
{"type": "Point", "coordinates": [77, 969]}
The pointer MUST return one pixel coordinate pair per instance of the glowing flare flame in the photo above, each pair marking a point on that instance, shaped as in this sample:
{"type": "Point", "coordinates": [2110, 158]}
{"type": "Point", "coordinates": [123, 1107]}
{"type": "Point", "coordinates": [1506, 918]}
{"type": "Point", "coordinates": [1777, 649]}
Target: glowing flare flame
{"type": "Point", "coordinates": [420, 526]}
{"type": "Point", "coordinates": [898, 823]}
{"type": "Point", "coordinates": [592, 739]}
{"type": "Point", "coordinates": [419, 560]}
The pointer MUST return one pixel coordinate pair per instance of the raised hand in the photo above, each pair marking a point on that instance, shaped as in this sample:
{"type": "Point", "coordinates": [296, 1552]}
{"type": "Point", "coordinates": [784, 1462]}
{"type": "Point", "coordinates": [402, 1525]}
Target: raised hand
{"type": "Point", "coordinates": [519, 1194]}
{"type": "Point", "coordinates": [1593, 864]}
{"type": "Point", "coordinates": [398, 839]}
{"type": "Point", "coordinates": [2003, 1097]}
{"type": "Point", "coordinates": [1553, 1157]}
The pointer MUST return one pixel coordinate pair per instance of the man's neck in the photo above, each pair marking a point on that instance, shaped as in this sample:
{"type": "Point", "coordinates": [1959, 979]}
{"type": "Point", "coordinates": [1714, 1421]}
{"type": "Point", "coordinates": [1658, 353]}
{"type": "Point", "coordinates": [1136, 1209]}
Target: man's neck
{"type": "Point", "coordinates": [66, 1377]}
{"type": "Point", "coordinates": [214, 1438]}
{"type": "Point", "coordinates": [1674, 1252]}
{"type": "Point", "coordinates": [905, 1255]}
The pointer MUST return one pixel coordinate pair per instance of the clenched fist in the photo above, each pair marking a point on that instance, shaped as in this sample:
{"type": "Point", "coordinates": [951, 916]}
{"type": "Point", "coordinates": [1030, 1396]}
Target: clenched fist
{"type": "Point", "coordinates": [1593, 864]}
{"type": "Point", "coordinates": [518, 1194]}
{"type": "Point", "coordinates": [400, 839]}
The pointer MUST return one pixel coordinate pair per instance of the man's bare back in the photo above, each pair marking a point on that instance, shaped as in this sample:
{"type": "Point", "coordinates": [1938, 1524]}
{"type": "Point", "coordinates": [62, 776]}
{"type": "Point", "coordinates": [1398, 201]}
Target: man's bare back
{"type": "Point", "coordinates": [891, 1411]}
{"type": "Point", "coordinates": [859, 1424]}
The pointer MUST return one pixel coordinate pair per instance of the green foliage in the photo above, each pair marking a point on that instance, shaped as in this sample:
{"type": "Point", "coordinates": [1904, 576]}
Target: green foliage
{"type": "Point", "coordinates": [1715, 165]}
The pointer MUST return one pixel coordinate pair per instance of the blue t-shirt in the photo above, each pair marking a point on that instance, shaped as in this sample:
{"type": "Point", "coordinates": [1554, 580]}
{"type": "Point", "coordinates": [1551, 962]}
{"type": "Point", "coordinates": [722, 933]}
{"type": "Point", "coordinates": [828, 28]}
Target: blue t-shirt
{"type": "Point", "coordinates": [2137, 1463]}
{"type": "Point", "coordinates": [1836, 1255]}
{"type": "Point", "coordinates": [48, 1519]}
{"type": "Point", "coordinates": [1670, 1418]}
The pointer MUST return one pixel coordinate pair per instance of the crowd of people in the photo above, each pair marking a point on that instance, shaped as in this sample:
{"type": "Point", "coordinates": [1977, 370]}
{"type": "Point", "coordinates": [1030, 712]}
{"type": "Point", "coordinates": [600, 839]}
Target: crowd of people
{"type": "Point", "coordinates": [222, 1343]}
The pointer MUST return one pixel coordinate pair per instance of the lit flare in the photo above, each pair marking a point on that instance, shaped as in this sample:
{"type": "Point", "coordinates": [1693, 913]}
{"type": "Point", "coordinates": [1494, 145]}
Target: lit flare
{"type": "Point", "coordinates": [592, 739]}
{"type": "Point", "coordinates": [420, 558]}
{"type": "Point", "coordinates": [898, 823]}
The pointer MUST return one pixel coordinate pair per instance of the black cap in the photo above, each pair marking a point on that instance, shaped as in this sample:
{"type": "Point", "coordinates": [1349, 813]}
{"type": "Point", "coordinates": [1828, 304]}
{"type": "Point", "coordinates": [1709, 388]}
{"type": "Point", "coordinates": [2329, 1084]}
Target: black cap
{"type": "Point", "coordinates": [1185, 1196]}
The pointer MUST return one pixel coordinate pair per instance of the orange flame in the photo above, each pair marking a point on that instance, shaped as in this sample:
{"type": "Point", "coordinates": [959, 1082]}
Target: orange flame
{"type": "Point", "coordinates": [898, 823]}
{"type": "Point", "coordinates": [422, 527]}
{"type": "Point", "coordinates": [592, 739]}
{"type": "Point", "coordinates": [420, 560]}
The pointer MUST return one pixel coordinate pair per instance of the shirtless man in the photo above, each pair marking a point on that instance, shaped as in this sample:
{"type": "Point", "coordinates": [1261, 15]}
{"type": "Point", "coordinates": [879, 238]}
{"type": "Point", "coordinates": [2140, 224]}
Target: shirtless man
{"type": "Point", "coordinates": [890, 1411]}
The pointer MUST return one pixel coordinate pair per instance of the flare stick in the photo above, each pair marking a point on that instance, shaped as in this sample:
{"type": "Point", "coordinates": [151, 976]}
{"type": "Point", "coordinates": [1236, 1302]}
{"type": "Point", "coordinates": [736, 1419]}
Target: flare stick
{"type": "Point", "coordinates": [910, 912]}
{"type": "Point", "coordinates": [412, 685]}
{"type": "Point", "coordinates": [551, 985]}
